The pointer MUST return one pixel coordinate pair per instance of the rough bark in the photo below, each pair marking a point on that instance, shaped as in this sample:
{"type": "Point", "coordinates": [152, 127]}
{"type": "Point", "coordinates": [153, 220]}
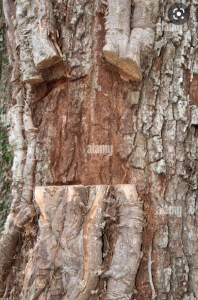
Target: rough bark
{"type": "Point", "coordinates": [38, 47]}
{"type": "Point", "coordinates": [72, 223]}
{"type": "Point", "coordinates": [125, 48]}
{"type": "Point", "coordinates": [22, 210]}
{"type": "Point", "coordinates": [151, 124]}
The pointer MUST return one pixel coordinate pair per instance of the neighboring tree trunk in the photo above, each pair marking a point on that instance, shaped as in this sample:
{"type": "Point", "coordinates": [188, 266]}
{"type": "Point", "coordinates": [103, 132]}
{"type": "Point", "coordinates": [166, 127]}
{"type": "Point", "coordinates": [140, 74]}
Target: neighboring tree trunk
{"type": "Point", "coordinates": [104, 176]}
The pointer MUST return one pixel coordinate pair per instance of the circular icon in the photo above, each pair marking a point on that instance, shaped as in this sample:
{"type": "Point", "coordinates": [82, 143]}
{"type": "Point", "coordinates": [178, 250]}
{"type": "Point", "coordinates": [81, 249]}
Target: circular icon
{"type": "Point", "coordinates": [179, 13]}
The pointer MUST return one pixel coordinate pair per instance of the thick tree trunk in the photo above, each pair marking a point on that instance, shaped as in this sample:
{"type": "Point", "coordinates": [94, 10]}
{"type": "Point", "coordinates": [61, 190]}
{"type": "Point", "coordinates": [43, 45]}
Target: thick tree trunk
{"type": "Point", "coordinates": [103, 128]}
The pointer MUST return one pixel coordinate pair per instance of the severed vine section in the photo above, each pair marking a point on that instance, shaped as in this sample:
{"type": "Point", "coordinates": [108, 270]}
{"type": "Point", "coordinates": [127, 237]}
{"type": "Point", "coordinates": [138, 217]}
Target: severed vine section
{"type": "Point", "coordinates": [37, 36]}
{"type": "Point", "coordinates": [127, 48]}
{"type": "Point", "coordinates": [89, 243]}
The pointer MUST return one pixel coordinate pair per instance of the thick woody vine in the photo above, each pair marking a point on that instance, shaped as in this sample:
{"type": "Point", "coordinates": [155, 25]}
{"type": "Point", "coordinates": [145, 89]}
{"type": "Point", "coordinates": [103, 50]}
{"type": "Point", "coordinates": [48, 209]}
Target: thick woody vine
{"type": "Point", "coordinates": [22, 132]}
{"type": "Point", "coordinates": [5, 148]}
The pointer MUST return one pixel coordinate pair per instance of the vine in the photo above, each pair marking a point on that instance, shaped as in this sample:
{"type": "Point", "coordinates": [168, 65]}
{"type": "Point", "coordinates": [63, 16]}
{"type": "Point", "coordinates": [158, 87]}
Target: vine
{"type": "Point", "coordinates": [5, 148]}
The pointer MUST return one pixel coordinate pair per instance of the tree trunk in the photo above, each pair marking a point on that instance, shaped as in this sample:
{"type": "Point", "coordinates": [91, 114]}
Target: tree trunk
{"type": "Point", "coordinates": [103, 128]}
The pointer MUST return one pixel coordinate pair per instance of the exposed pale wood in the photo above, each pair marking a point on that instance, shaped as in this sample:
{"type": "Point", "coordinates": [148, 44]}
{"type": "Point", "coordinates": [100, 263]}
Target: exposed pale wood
{"type": "Point", "coordinates": [124, 48]}
{"type": "Point", "coordinates": [36, 30]}
{"type": "Point", "coordinates": [79, 254]}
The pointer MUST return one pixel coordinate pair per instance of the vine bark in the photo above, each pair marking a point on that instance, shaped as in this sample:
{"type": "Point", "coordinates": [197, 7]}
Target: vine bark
{"type": "Point", "coordinates": [68, 96]}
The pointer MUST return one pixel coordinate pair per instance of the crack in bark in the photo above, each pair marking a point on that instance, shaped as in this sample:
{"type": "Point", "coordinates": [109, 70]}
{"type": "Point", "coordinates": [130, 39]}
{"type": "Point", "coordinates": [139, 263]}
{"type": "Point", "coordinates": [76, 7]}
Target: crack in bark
{"type": "Point", "coordinates": [80, 254]}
